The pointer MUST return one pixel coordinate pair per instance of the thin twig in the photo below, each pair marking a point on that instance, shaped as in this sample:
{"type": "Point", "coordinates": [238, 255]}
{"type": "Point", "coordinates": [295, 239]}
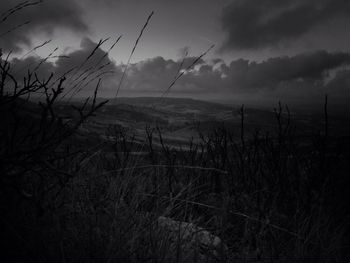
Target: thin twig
{"type": "Point", "coordinates": [132, 52]}
{"type": "Point", "coordinates": [186, 70]}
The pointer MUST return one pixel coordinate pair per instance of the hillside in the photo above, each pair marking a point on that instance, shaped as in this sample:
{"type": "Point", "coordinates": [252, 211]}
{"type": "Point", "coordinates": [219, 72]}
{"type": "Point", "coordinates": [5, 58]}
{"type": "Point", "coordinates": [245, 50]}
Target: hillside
{"type": "Point", "coordinates": [181, 119]}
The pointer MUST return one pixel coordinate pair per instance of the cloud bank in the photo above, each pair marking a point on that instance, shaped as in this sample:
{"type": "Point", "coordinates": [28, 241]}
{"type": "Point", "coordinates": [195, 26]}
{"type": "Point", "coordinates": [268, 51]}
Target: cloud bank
{"type": "Point", "coordinates": [82, 69]}
{"type": "Point", "coordinates": [254, 24]}
{"type": "Point", "coordinates": [306, 76]}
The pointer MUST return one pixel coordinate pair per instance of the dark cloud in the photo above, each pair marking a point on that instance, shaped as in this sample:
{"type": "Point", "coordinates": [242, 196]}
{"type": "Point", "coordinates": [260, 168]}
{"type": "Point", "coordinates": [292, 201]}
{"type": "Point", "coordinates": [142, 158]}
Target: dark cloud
{"type": "Point", "coordinates": [157, 73]}
{"type": "Point", "coordinates": [83, 74]}
{"type": "Point", "coordinates": [99, 65]}
{"type": "Point", "coordinates": [311, 67]}
{"type": "Point", "coordinates": [306, 76]}
{"type": "Point", "coordinates": [252, 24]}
{"type": "Point", "coordinates": [44, 18]}
{"type": "Point", "coordinates": [20, 67]}
{"type": "Point", "coordinates": [78, 57]}
{"type": "Point", "coordinates": [152, 74]}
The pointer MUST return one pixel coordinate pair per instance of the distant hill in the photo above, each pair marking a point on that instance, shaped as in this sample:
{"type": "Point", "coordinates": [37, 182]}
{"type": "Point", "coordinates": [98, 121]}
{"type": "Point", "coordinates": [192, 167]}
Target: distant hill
{"type": "Point", "coordinates": [179, 118]}
{"type": "Point", "coordinates": [173, 104]}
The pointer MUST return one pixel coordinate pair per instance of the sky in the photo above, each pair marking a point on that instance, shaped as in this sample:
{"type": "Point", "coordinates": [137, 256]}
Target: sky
{"type": "Point", "coordinates": [265, 50]}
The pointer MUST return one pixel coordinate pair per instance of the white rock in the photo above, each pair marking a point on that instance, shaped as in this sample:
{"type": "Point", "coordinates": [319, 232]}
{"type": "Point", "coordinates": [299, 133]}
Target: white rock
{"type": "Point", "coordinates": [189, 243]}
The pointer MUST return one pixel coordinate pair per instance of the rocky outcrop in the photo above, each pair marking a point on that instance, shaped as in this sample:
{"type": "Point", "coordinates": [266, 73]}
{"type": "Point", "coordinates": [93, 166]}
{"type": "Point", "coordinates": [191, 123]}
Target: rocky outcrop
{"type": "Point", "coordinates": [186, 242]}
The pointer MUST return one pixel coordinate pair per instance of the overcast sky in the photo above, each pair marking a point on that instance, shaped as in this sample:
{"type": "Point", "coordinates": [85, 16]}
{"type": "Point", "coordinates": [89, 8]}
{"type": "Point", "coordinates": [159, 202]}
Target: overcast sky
{"type": "Point", "coordinates": [276, 49]}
